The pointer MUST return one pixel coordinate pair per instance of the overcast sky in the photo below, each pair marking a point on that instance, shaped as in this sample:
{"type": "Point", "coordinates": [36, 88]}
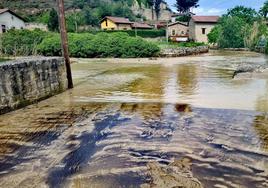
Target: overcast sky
{"type": "Point", "coordinates": [218, 7]}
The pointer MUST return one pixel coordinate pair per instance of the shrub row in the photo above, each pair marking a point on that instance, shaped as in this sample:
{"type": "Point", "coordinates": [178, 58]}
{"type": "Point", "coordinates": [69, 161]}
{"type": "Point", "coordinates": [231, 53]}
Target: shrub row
{"type": "Point", "coordinates": [21, 42]}
{"type": "Point", "coordinates": [100, 45]}
{"type": "Point", "coordinates": [118, 44]}
{"type": "Point", "coordinates": [141, 33]}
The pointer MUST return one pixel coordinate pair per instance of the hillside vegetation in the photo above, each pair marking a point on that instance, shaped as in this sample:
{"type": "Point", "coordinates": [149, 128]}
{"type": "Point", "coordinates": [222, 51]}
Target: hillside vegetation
{"type": "Point", "coordinates": [79, 12]}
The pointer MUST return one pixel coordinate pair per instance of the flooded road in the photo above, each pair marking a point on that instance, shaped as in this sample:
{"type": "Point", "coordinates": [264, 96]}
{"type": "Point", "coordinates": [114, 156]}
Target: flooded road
{"type": "Point", "coordinates": [178, 122]}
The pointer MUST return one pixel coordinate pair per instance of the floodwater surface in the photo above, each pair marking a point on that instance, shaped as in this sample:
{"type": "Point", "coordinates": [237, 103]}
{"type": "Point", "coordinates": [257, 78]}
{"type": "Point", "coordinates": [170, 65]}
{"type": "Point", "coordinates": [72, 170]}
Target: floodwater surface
{"type": "Point", "coordinates": [177, 122]}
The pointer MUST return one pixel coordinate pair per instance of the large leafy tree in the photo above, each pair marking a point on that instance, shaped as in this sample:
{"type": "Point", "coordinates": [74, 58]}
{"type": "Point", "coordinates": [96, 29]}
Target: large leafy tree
{"type": "Point", "coordinates": [184, 6]}
{"type": "Point", "coordinates": [249, 15]}
{"type": "Point", "coordinates": [264, 9]}
{"type": "Point", "coordinates": [232, 33]}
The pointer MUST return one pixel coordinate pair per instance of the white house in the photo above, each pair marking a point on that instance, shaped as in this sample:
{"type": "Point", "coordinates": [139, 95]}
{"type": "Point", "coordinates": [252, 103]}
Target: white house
{"type": "Point", "coordinates": [10, 20]}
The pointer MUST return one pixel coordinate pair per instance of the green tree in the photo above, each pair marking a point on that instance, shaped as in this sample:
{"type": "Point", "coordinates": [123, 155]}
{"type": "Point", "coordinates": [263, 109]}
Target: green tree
{"type": "Point", "coordinates": [157, 9]}
{"type": "Point", "coordinates": [248, 15]}
{"type": "Point", "coordinates": [215, 34]}
{"type": "Point", "coordinates": [53, 21]}
{"type": "Point", "coordinates": [232, 33]}
{"type": "Point", "coordinates": [91, 16]}
{"type": "Point", "coordinates": [264, 9]}
{"type": "Point", "coordinates": [74, 20]}
{"type": "Point", "coordinates": [183, 6]}
{"type": "Point", "coordinates": [151, 4]}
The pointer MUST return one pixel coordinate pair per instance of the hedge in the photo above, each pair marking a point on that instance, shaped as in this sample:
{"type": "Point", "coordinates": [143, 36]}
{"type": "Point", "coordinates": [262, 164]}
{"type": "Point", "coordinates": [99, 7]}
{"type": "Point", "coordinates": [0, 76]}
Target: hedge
{"type": "Point", "coordinates": [21, 42]}
{"type": "Point", "coordinates": [100, 45]}
{"type": "Point", "coordinates": [141, 33]}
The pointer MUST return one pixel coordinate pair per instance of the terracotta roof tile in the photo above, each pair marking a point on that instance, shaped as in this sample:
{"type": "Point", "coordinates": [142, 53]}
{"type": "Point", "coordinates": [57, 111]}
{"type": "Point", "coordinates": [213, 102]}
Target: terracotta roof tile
{"type": "Point", "coordinates": [119, 20]}
{"type": "Point", "coordinates": [141, 25]}
{"type": "Point", "coordinates": [206, 19]}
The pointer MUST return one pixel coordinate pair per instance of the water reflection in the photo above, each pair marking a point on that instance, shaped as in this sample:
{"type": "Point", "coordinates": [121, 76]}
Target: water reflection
{"type": "Point", "coordinates": [187, 80]}
{"type": "Point", "coordinates": [125, 125]}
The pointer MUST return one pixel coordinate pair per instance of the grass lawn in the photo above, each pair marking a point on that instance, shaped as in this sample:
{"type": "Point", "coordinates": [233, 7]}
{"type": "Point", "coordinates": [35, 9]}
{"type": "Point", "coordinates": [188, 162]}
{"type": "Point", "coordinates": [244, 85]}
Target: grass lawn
{"type": "Point", "coordinates": [3, 59]}
{"type": "Point", "coordinates": [165, 45]}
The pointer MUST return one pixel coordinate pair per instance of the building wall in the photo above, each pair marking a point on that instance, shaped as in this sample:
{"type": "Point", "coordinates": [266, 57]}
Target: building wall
{"type": "Point", "coordinates": [192, 30]}
{"type": "Point", "coordinates": [124, 27]}
{"type": "Point", "coordinates": [11, 21]}
{"type": "Point", "coordinates": [110, 25]}
{"type": "Point", "coordinates": [33, 26]}
{"type": "Point", "coordinates": [179, 30]}
{"type": "Point", "coordinates": [23, 82]}
{"type": "Point", "coordinates": [196, 31]}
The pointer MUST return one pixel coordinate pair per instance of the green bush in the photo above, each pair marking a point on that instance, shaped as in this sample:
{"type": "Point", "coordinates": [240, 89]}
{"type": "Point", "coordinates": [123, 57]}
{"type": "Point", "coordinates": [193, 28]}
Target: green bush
{"type": "Point", "coordinates": [100, 45]}
{"type": "Point", "coordinates": [21, 42]}
{"type": "Point", "coordinates": [141, 33]}
{"type": "Point", "coordinates": [191, 44]}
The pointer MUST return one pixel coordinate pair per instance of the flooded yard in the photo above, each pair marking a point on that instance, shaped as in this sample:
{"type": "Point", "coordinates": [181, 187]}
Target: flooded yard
{"type": "Point", "coordinates": [177, 122]}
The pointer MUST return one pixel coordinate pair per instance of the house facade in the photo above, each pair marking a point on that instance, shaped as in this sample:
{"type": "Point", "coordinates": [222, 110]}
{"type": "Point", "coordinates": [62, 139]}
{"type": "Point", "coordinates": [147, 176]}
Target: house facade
{"type": "Point", "coordinates": [200, 27]}
{"type": "Point", "coordinates": [10, 20]}
{"type": "Point", "coordinates": [115, 23]}
{"type": "Point", "coordinates": [178, 31]}
{"type": "Point", "coordinates": [119, 23]}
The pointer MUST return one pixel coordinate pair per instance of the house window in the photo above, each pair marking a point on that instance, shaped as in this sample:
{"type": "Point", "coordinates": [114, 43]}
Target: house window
{"type": "Point", "coordinates": [124, 28]}
{"type": "Point", "coordinates": [173, 32]}
{"type": "Point", "coordinates": [182, 32]}
{"type": "Point", "coordinates": [4, 29]}
{"type": "Point", "coordinates": [203, 31]}
{"type": "Point", "coordinates": [112, 28]}
{"type": "Point", "coordinates": [106, 23]}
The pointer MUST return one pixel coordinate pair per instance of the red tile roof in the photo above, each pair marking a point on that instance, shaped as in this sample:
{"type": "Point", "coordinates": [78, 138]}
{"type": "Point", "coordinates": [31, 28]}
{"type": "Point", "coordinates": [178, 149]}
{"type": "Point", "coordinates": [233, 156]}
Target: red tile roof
{"type": "Point", "coordinates": [206, 19]}
{"type": "Point", "coordinates": [118, 20]}
{"type": "Point", "coordinates": [141, 25]}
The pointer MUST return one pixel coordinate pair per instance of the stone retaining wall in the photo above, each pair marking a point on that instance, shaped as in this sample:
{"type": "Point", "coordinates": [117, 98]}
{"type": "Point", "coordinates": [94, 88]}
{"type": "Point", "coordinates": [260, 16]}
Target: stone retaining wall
{"type": "Point", "coordinates": [178, 52]}
{"type": "Point", "coordinates": [26, 81]}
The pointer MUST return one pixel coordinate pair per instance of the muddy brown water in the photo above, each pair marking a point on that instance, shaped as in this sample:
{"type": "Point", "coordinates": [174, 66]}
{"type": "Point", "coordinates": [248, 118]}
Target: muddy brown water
{"type": "Point", "coordinates": [178, 122]}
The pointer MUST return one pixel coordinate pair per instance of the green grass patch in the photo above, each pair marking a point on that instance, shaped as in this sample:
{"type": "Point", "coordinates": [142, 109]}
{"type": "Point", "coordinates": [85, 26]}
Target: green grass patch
{"type": "Point", "coordinates": [165, 45]}
{"type": "Point", "coordinates": [3, 59]}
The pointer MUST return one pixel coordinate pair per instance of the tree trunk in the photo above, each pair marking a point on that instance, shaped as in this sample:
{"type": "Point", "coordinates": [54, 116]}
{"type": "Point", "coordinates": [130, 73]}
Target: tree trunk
{"type": "Point", "coordinates": [152, 13]}
{"type": "Point", "coordinates": [64, 42]}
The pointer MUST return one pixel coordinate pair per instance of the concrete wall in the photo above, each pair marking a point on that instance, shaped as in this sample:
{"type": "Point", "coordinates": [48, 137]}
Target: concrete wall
{"type": "Point", "coordinates": [33, 26]}
{"type": "Point", "coordinates": [26, 81]}
{"type": "Point", "coordinates": [124, 26]}
{"type": "Point", "coordinates": [11, 21]}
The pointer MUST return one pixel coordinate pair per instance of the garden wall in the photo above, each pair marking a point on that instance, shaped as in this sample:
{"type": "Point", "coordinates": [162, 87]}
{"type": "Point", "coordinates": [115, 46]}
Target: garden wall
{"type": "Point", "coordinates": [184, 51]}
{"type": "Point", "coordinates": [26, 81]}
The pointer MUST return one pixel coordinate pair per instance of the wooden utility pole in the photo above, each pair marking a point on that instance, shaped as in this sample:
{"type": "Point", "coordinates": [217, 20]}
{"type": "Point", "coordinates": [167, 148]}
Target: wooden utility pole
{"type": "Point", "coordinates": [64, 42]}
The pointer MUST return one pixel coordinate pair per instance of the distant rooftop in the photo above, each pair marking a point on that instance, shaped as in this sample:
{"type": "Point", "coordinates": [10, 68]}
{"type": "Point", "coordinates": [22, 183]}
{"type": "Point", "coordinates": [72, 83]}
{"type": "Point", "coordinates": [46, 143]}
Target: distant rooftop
{"type": "Point", "coordinates": [141, 25]}
{"type": "Point", "coordinates": [206, 19]}
{"type": "Point", "coordinates": [119, 20]}
{"type": "Point", "coordinates": [2, 11]}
